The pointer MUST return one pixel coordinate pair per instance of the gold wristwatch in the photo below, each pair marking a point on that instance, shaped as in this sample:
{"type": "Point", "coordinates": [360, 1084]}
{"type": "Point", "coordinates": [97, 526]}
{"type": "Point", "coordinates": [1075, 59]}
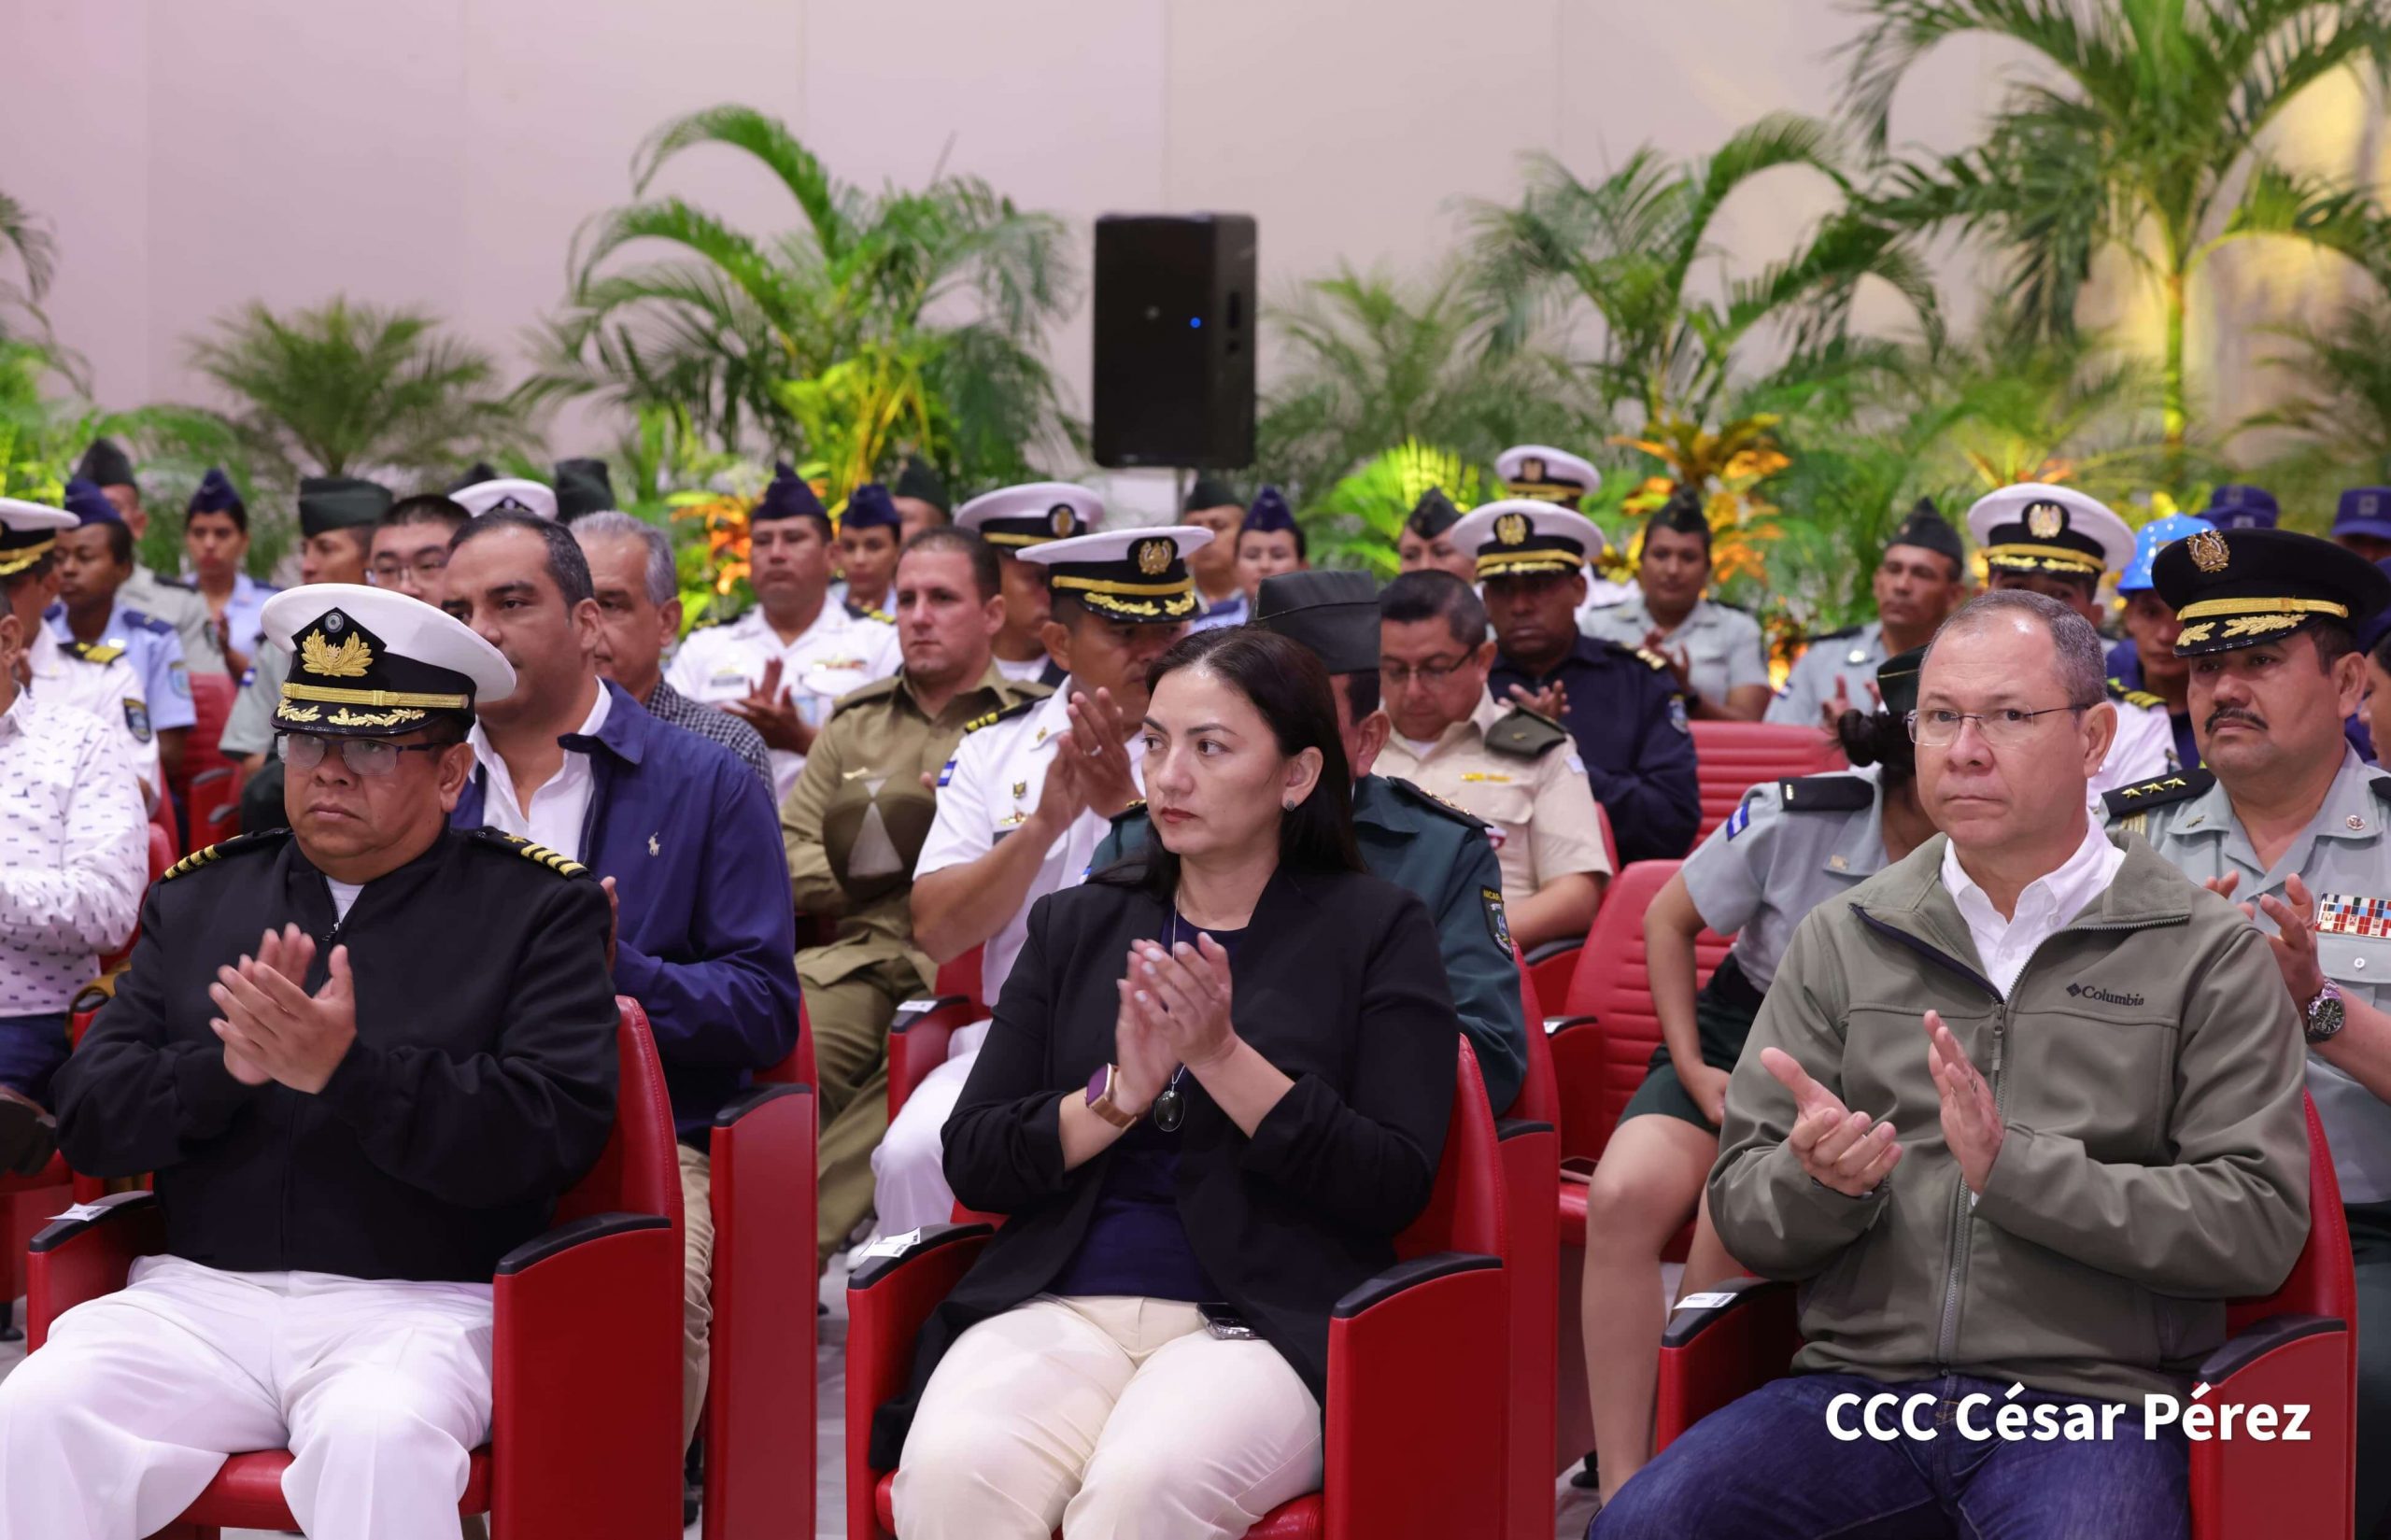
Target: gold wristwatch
{"type": "Point", "coordinates": [1099, 1098]}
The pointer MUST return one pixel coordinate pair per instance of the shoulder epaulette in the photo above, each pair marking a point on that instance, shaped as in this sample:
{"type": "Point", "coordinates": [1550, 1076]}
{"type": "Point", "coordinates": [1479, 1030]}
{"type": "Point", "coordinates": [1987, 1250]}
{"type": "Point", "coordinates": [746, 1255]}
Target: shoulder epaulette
{"type": "Point", "coordinates": [1826, 793]}
{"type": "Point", "coordinates": [862, 693]}
{"type": "Point", "coordinates": [865, 612]}
{"type": "Point", "coordinates": [1526, 735]}
{"type": "Point", "coordinates": [1645, 655]}
{"type": "Point", "coordinates": [1429, 801]}
{"type": "Point", "coordinates": [186, 585]}
{"type": "Point", "coordinates": [2382, 785]}
{"type": "Point", "coordinates": [563, 866]}
{"type": "Point", "coordinates": [1131, 813]}
{"type": "Point", "coordinates": [1002, 714]}
{"type": "Point", "coordinates": [1836, 636]}
{"type": "Point", "coordinates": [102, 653]}
{"type": "Point", "coordinates": [208, 855]}
{"type": "Point", "coordinates": [2118, 693]}
{"type": "Point", "coordinates": [714, 618]}
{"type": "Point", "coordinates": [149, 623]}
{"type": "Point", "coordinates": [2182, 786]}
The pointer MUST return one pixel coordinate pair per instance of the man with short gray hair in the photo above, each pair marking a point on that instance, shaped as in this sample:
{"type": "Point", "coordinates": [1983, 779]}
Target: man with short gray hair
{"type": "Point", "coordinates": [2020, 1113]}
{"type": "Point", "coordinates": [639, 615]}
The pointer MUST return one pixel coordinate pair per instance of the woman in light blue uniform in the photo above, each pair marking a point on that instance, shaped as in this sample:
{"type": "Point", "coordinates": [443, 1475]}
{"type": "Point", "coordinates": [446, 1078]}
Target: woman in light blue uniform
{"type": "Point", "coordinates": [1791, 845]}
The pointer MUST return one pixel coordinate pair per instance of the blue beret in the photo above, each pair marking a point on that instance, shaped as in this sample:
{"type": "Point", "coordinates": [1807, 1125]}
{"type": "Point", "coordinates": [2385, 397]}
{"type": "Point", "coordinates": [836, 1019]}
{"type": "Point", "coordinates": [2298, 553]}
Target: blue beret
{"type": "Point", "coordinates": [870, 506]}
{"type": "Point", "coordinates": [1270, 513]}
{"type": "Point", "coordinates": [790, 496]}
{"type": "Point", "coordinates": [2237, 506]}
{"type": "Point", "coordinates": [214, 495]}
{"type": "Point", "coordinates": [89, 504]}
{"type": "Point", "coordinates": [2364, 511]}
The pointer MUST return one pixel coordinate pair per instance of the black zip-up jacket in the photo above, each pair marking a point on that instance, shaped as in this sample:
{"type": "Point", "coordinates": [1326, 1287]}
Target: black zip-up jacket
{"type": "Point", "coordinates": [480, 1087]}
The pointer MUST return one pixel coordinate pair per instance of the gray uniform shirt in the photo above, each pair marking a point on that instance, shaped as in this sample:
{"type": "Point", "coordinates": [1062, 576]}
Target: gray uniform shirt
{"type": "Point", "coordinates": [250, 728]}
{"type": "Point", "coordinates": [1766, 866]}
{"type": "Point", "coordinates": [2341, 854]}
{"type": "Point", "coordinates": [1852, 659]}
{"type": "Point", "coordinates": [1721, 643]}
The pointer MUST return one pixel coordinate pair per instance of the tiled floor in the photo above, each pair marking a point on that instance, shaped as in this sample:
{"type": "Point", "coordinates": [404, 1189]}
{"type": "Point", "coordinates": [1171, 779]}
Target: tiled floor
{"type": "Point", "coordinates": [830, 1437]}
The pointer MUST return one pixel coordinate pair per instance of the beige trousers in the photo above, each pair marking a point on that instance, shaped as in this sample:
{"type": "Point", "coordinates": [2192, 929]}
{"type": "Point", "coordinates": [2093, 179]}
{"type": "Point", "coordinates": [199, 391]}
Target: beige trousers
{"type": "Point", "coordinates": [1111, 1417]}
{"type": "Point", "coordinates": [697, 1283]}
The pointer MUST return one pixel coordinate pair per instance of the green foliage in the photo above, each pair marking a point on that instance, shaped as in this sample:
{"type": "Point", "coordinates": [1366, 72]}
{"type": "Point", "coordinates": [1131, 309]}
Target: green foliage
{"type": "Point", "coordinates": [1368, 361]}
{"type": "Point", "coordinates": [2141, 134]}
{"type": "Point", "coordinates": [2339, 393]}
{"type": "Point", "coordinates": [352, 390]}
{"type": "Point", "coordinates": [1355, 523]}
{"type": "Point", "coordinates": [26, 244]}
{"type": "Point", "coordinates": [945, 290]}
{"type": "Point", "coordinates": [1627, 249]}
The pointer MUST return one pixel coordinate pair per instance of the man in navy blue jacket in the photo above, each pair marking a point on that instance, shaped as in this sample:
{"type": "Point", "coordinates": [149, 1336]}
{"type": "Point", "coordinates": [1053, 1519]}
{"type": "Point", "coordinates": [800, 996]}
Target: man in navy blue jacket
{"type": "Point", "coordinates": [681, 831]}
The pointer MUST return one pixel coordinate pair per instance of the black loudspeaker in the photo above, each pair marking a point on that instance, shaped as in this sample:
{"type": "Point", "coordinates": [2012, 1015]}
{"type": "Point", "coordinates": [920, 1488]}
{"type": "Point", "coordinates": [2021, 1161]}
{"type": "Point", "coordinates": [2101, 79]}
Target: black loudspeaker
{"type": "Point", "coordinates": [1174, 340]}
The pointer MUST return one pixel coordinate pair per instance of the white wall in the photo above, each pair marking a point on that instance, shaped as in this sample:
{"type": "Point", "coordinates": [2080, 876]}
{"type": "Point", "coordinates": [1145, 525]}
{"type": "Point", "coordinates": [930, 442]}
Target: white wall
{"type": "Point", "coordinates": [194, 154]}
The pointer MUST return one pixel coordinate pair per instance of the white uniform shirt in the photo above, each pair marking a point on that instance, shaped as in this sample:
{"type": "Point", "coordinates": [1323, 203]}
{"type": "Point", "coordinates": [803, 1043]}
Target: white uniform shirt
{"type": "Point", "coordinates": [559, 806]}
{"type": "Point", "coordinates": [1722, 645]}
{"type": "Point", "coordinates": [2046, 906]}
{"type": "Point", "coordinates": [74, 852]}
{"type": "Point", "coordinates": [1023, 672]}
{"type": "Point", "coordinates": [837, 653]}
{"type": "Point", "coordinates": [2144, 749]}
{"type": "Point", "coordinates": [156, 655]}
{"type": "Point", "coordinates": [988, 790]}
{"type": "Point", "coordinates": [110, 691]}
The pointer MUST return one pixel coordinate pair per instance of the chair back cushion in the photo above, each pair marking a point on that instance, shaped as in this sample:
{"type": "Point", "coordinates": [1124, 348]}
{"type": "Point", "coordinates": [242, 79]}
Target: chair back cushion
{"type": "Point", "coordinates": [638, 1172]}
{"type": "Point", "coordinates": [1732, 757]}
{"type": "Point", "coordinates": [1465, 1212]}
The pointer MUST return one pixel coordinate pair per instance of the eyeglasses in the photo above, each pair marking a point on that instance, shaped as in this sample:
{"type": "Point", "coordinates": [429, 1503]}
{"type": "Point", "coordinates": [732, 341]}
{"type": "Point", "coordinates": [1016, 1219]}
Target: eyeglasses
{"type": "Point", "coordinates": [428, 565]}
{"type": "Point", "coordinates": [374, 757]}
{"type": "Point", "coordinates": [2003, 728]}
{"type": "Point", "coordinates": [1430, 674]}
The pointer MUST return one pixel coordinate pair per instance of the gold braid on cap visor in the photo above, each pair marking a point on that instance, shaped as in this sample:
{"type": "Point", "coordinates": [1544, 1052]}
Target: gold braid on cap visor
{"type": "Point", "coordinates": [1134, 600]}
{"type": "Point", "coordinates": [377, 698]}
{"type": "Point", "coordinates": [2251, 617]}
{"type": "Point", "coordinates": [2040, 558]}
{"type": "Point", "coordinates": [1510, 564]}
{"type": "Point", "coordinates": [17, 560]}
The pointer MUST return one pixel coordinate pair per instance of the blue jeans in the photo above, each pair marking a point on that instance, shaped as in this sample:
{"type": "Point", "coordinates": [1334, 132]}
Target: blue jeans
{"type": "Point", "coordinates": [30, 1049]}
{"type": "Point", "coordinates": [1767, 1468]}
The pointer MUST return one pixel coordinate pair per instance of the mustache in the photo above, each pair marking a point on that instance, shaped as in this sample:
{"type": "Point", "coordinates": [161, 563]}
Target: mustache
{"type": "Point", "coordinates": [2235, 713]}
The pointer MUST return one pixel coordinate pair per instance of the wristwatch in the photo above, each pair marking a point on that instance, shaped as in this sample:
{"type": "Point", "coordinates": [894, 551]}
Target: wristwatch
{"type": "Point", "coordinates": [1099, 1098]}
{"type": "Point", "coordinates": [2326, 1014]}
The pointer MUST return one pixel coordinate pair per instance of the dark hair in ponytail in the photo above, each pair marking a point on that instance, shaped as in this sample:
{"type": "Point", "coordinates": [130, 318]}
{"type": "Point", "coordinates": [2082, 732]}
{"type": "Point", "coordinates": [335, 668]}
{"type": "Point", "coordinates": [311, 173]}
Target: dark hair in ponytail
{"type": "Point", "coordinates": [1879, 738]}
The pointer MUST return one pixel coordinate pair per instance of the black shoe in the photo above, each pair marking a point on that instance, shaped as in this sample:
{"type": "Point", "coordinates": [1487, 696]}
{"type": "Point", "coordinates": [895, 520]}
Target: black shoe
{"type": "Point", "coordinates": [693, 1481]}
{"type": "Point", "coordinates": [1589, 1476]}
{"type": "Point", "coordinates": [28, 1135]}
{"type": "Point", "coordinates": [9, 1329]}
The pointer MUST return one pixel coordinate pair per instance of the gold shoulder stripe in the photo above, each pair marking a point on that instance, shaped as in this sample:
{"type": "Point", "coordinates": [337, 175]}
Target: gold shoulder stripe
{"type": "Point", "coordinates": [1651, 659]}
{"type": "Point", "coordinates": [563, 866]}
{"type": "Point", "coordinates": [207, 856]}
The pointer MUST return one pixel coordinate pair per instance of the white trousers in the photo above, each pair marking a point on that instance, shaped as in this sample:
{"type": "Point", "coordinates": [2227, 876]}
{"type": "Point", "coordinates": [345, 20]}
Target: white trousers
{"type": "Point", "coordinates": [1109, 1417]}
{"type": "Point", "coordinates": [908, 1186]}
{"type": "Point", "coordinates": [380, 1391]}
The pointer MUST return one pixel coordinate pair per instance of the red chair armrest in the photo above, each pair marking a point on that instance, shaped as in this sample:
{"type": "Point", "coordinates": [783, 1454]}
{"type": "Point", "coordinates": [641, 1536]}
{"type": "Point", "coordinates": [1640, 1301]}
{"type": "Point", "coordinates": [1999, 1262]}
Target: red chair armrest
{"type": "Point", "coordinates": [1531, 1156]}
{"type": "Point", "coordinates": [586, 1382]}
{"type": "Point", "coordinates": [759, 1389]}
{"type": "Point", "coordinates": [1743, 1336]}
{"type": "Point", "coordinates": [209, 777]}
{"type": "Point", "coordinates": [2243, 1485]}
{"type": "Point", "coordinates": [1555, 1025]}
{"type": "Point", "coordinates": [82, 1256]}
{"type": "Point", "coordinates": [918, 1035]}
{"type": "Point", "coordinates": [889, 1295]}
{"type": "Point", "coordinates": [1417, 1385]}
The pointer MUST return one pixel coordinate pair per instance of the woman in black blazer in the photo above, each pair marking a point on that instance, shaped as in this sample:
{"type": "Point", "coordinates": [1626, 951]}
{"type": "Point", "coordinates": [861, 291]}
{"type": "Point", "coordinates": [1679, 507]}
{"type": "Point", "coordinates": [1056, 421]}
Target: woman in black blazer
{"type": "Point", "coordinates": [1215, 1090]}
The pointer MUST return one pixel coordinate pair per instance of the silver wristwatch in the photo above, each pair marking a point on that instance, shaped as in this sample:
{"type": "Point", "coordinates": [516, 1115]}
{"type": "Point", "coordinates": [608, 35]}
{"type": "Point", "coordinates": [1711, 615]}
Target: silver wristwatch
{"type": "Point", "coordinates": [2326, 1014]}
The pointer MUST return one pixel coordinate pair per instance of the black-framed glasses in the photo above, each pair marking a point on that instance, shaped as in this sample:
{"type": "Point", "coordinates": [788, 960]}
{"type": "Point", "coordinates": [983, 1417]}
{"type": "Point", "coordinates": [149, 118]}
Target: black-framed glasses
{"type": "Point", "coordinates": [377, 756]}
{"type": "Point", "coordinates": [1431, 675]}
{"type": "Point", "coordinates": [2003, 729]}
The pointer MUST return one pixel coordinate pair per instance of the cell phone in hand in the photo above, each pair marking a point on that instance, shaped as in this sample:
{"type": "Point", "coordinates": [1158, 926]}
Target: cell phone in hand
{"type": "Point", "coordinates": [1220, 1318]}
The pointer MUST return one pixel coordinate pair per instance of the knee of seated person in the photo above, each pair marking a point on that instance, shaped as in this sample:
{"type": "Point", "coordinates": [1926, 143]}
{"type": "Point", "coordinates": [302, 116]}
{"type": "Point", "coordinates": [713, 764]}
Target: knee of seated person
{"type": "Point", "coordinates": [1619, 1205]}
{"type": "Point", "coordinates": [1654, 1503]}
{"type": "Point", "coordinates": [1123, 1483]}
{"type": "Point", "coordinates": [372, 1407]}
{"type": "Point", "coordinates": [910, 1142]}
{"type": "Point", "coordinates": [42, 1390]}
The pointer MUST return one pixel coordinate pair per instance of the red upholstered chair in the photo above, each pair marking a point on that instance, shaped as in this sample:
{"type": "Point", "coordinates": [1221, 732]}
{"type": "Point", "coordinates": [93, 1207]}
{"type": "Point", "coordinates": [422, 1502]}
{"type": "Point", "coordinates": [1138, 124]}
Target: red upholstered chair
{"type": "Point", "coordinates": [586, 1364]}
{"type": "Point", "coordinates": [1529, 1145]}
{"type": "Point", "coordinates": [924, 1026]}
{"type": "Point", "coordinates": [213, 805]}
{"type": "Point", "coordinates": [1600, 1050]}
{"type": "Point", "coordinates": [759, 1412]}
{"type": "Point", "coordinates": [2295, 1346]}
{"type": "Point", "coordinates": [1732, 757]}
{"type": "Point", "coordinates": [211, 703]}
{"type": "Point", "coordinates": [1416, 1381]}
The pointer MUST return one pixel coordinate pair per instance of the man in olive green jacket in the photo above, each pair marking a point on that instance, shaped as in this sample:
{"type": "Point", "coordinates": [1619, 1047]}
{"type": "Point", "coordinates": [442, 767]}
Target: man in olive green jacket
{"type": "Point", "coordinates": [2022, 1109]}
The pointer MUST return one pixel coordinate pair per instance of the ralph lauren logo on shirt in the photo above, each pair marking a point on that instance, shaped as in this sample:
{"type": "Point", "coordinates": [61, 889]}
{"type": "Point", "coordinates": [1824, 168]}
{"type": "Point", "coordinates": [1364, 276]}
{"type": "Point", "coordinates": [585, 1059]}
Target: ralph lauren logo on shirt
{"type": "Point", "coordinates": [2093, 991]}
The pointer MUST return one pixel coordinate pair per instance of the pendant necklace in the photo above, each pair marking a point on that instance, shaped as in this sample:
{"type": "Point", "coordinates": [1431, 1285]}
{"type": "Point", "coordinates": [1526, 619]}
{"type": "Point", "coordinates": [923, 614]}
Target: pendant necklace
{"type": "Point", "coordinates": [1170, 1107]}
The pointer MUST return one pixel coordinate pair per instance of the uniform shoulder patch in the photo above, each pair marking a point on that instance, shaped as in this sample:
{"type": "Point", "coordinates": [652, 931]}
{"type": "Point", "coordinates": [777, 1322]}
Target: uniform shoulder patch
{"type": "Point", "coordinates": [563, 866]}
{"type": "Point", "coordinates": [2382, 786]}
{"type": "Point", "coordinates": [1526, 735]}
{"type": "Point", "coordinates": [861, 693]}
{"type": "Point", "coordinates": [2118, 693]}
{"type": "Point", "coordinates": [1002, 714]}
{"type": "Point", "coordinates": [1826, 793]}
{"type": "Point", "coordinates": [2182, 786]}
{"type": "Point", "coordinates": [102, 653]}
{"type": "Point", "coordinates": [1835, 636]}
{"type": "Point", "coordinates": [1430, 802]}
{"type": "Point", "coordinates": [208, 855]}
